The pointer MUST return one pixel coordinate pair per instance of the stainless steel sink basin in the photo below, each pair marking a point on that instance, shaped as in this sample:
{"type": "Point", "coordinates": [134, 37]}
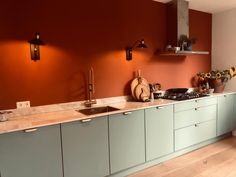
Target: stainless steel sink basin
{"type": "Point", "coordinates": [97, 110]}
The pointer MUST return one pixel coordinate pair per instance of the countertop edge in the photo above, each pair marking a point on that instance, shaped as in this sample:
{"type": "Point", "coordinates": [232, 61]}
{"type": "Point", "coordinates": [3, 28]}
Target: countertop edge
{"type": "Point", "coordinates": [22, 123]}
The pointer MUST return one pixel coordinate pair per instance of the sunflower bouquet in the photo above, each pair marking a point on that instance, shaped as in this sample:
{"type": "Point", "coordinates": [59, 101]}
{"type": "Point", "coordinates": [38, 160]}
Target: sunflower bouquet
{"type": "Point", "coordinates": [215, 79]}
{"type": "Point", "coordinates": [223, 75]}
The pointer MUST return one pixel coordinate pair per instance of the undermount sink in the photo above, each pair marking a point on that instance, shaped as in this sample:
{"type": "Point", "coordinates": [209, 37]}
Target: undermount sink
{"type": "Point", "coordinates": [97, 110]}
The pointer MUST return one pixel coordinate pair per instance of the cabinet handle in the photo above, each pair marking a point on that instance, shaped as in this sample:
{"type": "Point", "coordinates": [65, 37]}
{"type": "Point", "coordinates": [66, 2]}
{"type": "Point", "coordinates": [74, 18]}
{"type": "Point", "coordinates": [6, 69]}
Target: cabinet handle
{"type": "Point", "coordinates": [225, 96]}
{"type": "Point", "coordinates": [85, 120]}
{"type": "Point", "coordinates": [196, 101]}
{"type": "Point", "coordinates": [159, 107]}
{"type": "Point", "coordinates": [30, 130]}
{"type": "Point", "coordinates": [127, 113]}
{"type": "Point", "coordinates": [196, 109]}
{"type": "Point", "coordinates": [196, 125]}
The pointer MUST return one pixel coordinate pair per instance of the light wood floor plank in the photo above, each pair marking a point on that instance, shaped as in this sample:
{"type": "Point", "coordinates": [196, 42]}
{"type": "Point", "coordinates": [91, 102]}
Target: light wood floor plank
{"type": "Point", "coordinates": [199, 163]}
{"type": "Point", "coordinates": [226, 169]}
{"type": "Point", "coordinates": [203, 164]}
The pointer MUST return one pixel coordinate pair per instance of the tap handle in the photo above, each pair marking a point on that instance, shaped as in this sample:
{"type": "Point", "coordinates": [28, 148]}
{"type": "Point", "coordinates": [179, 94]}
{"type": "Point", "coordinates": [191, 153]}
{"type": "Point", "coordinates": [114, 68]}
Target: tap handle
{"type": "Point", "coordinates": [92, 80]}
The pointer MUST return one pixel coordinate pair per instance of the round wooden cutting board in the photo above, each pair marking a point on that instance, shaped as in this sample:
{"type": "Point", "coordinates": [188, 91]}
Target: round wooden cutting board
{"type": "Point", "coordinates": [140, 86]}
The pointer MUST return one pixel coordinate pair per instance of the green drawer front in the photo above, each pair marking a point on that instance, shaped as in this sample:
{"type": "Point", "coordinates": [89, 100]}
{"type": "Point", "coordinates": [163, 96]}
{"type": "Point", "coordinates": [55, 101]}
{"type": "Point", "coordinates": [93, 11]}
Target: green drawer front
{"type": "Point", "coordinates": [207, 101]}
{"type": "Point", "coordinates": [194, 134]}
{"type": "Point", "coordinates": [194, 116]}
{"type": "Point", "coordinates": [194, 103]}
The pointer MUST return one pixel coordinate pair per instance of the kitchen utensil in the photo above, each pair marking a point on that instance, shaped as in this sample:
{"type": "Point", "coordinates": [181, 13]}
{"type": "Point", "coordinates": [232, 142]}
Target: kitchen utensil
{"type": "Point", "coordinates": [155, 87]}
{"type": "Point", "coordinates": [137, 81]}
{"type": "Point", "coordinates": [142, 93]}
{"type": "Point", "coordinates": [159, 94]}
{"type": "Point", "coordinates": [142, 90]}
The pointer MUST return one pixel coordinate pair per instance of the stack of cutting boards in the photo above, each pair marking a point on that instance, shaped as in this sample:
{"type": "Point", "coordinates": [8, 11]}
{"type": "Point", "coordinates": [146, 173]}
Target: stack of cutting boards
{"type": "Point", "coordinates": [140, 88]}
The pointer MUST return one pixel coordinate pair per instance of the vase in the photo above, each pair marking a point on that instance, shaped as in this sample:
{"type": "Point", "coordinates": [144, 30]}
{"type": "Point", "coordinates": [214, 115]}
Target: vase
{"type": "Point", "coordinates": [188, 47]}
{"type": "Point", "coordinates": [217, 84]}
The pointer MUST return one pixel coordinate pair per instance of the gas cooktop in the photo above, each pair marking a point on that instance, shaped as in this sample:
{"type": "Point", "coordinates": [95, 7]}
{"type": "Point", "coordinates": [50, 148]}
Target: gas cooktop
{"type": "Point", "coordinates": [182, 94]}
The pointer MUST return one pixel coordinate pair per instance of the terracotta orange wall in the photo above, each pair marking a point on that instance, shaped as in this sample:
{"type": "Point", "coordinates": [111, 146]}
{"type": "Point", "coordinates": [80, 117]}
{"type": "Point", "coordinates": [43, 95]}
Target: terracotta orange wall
{"type": "Point", "coordinates": [80, 34]}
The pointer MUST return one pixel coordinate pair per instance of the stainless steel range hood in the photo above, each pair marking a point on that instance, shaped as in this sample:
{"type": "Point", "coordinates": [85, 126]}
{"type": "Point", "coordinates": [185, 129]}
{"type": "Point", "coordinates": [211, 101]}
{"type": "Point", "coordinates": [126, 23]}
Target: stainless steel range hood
{"type": "Point", "coordinates": [178, 25]}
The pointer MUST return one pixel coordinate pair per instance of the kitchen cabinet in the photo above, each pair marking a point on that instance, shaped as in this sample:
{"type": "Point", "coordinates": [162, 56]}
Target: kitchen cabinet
{"type": "Point", "coordinates": [225, 118]}
{"type": "Point", "coordinates": [192, 104]}
{"type": "Point", "coordinates": [195, 122]}
{"type": "Point", "coordinates": [112, 144]}
{"type": "Point", "coordinates": [159, 131]}
{"type": "Point", "coordinates": [31, 153]}
{"type": "Point", "coordinates": [194, 116]}
{"type": "Point", "coordinates": [127, 140]}
{"type": "Point", "coordinates": [194, 134]}
{"type": "Point", "coordinates": [234, 114]}
{"type": "Point", "coordinates": [85, 148]}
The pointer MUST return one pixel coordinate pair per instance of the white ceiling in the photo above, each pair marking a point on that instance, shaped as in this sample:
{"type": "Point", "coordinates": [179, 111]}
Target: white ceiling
{"type": "Point", "coordinates": [210, 6]}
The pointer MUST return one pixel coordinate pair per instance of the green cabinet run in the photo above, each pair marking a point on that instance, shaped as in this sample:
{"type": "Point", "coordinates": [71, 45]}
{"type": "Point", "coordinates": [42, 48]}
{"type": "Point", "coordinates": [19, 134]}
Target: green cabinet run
{"type": "Point", "coordinates": [31, 153]}
{"type": "Point", "coordinates": [225, 119]}
{"type": "Point", "coordinates": [127, 140]}
{"type": "Point", "coordinates": [159, 131]}
{"type": "Point", "coordinates": [109, 144]}
{"type": "Point", "coordinates": [85, 148]}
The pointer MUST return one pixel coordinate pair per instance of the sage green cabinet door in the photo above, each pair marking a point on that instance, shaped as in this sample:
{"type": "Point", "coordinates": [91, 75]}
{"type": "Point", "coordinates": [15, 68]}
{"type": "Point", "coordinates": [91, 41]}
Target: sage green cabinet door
{"type": "Point", "coordinates": [32, 154]}
{"type": "Point", "coordinates": [85, 148]}
{"type": "Point", "coordinates": [159, 131]}
{"type": "Point", "coordinates": [225, 114]}
{"type": "Point", "coordinates": [127, 140]}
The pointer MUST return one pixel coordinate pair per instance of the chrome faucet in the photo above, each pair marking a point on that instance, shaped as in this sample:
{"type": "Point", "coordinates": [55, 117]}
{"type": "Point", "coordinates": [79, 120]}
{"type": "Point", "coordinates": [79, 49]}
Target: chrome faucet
{"type": "Point", "coordinates": [91, 89]}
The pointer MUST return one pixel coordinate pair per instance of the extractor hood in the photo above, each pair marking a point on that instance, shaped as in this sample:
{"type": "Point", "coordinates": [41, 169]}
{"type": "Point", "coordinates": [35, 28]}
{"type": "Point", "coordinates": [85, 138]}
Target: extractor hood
{"type": "Point", "coordinates": [178, 26]}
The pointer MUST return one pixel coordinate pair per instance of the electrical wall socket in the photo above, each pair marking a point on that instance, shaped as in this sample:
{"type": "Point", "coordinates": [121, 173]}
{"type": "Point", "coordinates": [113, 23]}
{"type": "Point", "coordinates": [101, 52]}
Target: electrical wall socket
{"type": "Point", "coordinates": [22, 104]}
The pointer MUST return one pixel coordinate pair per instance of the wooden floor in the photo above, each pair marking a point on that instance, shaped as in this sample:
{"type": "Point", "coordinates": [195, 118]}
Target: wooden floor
{"type": "Point", "coordinates": [215, 160]}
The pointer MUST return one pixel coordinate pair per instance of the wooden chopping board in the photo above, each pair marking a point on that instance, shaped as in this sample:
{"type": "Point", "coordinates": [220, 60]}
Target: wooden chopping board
{"type": "Point", "coordinates": [142, 93]}
{"type": "Point", "coordinates": [140, 88]}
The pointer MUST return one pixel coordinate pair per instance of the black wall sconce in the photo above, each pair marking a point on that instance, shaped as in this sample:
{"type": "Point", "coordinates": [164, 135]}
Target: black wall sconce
{"type": "Point", "coordinates": [34, 47]}
{"type": "Point", "coordinates": [141, 44]}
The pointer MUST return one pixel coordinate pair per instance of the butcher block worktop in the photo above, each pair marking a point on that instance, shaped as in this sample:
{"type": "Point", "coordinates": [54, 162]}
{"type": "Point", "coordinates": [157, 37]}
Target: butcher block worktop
{"type": "Point", "coordinates": [29, 118]}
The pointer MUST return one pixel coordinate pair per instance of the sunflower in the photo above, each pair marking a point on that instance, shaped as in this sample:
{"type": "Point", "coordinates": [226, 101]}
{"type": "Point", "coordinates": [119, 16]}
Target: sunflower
{"type": "Point", "coordinates": [218, 75]}
{"type": "Point", "coordinates": [232, 72]}
{"type": "Point", "coordinates": [201, 75]}
{"type": "Point", "coordinates": [207, 75]}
